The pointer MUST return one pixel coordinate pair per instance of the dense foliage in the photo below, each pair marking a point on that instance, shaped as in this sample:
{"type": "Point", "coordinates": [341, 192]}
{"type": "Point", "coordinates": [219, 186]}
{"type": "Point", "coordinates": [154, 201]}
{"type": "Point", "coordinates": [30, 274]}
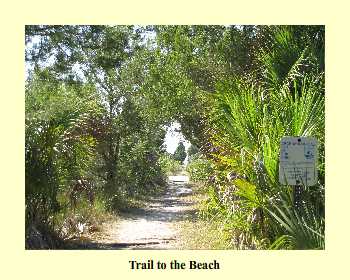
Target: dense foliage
{"type": "Point", "coordinates": [99, 100]}
{"type": "Point", "coordinates": [86, 123]}
{"type": "Point", "coordinates": [170, 166]}
{"type": "Point", "coordinates": [285, 96]}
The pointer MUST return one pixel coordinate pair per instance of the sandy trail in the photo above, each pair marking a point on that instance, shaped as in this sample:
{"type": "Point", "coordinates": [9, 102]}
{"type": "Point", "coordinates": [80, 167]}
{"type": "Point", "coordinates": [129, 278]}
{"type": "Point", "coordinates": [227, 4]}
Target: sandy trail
{"type": "Point", "coordinates": [153, 226]}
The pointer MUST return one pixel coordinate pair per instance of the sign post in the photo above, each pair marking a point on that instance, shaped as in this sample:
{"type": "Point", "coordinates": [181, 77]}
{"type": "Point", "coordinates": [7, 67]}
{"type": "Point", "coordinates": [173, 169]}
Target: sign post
{"type": "Point", "coordinates": [298, 163]}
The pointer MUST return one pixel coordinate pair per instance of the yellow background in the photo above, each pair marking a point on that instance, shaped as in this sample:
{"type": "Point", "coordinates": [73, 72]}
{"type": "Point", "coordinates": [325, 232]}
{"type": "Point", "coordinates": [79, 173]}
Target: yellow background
{"type": "Point", "coordinates": [16, 263]}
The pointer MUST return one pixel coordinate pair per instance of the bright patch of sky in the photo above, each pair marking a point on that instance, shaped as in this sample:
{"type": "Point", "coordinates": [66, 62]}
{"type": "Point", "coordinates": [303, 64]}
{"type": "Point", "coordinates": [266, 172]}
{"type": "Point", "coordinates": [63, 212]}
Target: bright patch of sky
{"type": "Point", "coordinates": [35, 41]}
{"type": "Point", "coordinates": [173, 137]}
{"type": "Point", "coordinates": [29, 67]}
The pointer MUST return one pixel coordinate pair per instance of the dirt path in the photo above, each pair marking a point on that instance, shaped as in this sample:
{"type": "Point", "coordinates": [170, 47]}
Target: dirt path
{"type": "Point", "coordinates": [150, 227]}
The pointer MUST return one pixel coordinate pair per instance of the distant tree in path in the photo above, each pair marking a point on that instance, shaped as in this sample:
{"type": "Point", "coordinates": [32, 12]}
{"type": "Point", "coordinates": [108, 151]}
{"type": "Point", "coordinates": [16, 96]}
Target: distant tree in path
{"type": "Point", "coordinates": [180, 153]}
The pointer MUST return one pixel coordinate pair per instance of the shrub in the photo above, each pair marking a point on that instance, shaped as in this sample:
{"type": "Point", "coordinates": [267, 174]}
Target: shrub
{"type": "Point", "coordinates": [169, 165]}
{"type": "Point", "coordinates": [199, 169]}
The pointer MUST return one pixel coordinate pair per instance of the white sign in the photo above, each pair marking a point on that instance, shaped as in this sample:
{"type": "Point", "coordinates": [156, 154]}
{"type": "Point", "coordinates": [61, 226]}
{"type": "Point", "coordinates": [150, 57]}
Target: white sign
{"type": "Point", "coordinates": [298, 161]}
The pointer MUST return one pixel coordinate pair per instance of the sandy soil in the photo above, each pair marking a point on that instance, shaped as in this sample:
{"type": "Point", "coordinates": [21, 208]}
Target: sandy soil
{"type": "Point", "coordinates": [150, 227]}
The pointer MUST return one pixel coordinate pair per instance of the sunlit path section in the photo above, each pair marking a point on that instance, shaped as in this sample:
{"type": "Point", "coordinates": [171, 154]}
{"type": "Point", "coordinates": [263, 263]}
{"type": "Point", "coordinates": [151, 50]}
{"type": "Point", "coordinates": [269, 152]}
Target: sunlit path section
{"type": "Point", "coordinates": [154, 225]}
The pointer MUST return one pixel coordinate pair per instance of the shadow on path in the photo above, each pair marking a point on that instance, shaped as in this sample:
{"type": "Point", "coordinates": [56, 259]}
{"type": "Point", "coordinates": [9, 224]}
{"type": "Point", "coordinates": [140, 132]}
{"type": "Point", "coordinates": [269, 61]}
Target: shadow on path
{"type": "Point", "coordinates": [150, 227]}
